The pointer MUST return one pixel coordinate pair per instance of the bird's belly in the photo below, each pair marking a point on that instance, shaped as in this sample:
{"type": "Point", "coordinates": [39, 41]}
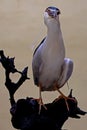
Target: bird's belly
{"type": "Point", "coordinates": [50, 74]}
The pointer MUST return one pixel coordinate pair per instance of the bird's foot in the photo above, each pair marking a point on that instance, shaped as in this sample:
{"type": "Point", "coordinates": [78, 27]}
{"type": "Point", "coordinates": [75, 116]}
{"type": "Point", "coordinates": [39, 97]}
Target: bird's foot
{"type": "Point", "coordinates": [40, 102]}
{"type": "Point", "coordinates": [66, 100]}
{"type": "Point", "coordinates": [65, 97]}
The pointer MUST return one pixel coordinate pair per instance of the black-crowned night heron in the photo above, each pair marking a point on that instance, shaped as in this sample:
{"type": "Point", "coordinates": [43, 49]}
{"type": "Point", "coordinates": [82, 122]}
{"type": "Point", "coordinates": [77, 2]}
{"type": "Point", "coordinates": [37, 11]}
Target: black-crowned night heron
{"type": "Point", "coordinates": [51, 70]}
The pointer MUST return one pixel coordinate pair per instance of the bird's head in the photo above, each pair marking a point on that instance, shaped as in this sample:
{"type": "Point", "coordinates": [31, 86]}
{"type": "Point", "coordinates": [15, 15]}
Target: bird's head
{"type": "Point", "coordinates": [51, 13]}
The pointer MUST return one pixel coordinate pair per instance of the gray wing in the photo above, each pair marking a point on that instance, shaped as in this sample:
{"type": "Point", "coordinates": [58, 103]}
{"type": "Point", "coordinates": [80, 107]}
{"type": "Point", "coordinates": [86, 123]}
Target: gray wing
{"type": "Point", "coordinates": [66, 72]}
{"type": "Point", "coordinates": [36, 63]}
{"type": "Point", "coordinates": [38, 46]}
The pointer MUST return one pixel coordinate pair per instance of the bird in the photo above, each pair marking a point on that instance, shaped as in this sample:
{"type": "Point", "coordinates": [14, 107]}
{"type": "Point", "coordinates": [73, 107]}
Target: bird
{"type": "Point", "coordinates": [51, 69]}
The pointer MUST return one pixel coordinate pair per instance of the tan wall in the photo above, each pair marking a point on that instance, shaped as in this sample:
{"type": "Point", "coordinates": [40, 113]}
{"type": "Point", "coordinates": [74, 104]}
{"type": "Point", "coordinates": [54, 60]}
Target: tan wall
{"type": "Point", "coordinates": [22, 27]}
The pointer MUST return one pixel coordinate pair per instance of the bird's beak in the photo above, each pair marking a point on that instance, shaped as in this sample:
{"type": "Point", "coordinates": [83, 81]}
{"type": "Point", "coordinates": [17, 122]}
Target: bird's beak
{"type": "Point", "coordinates": [55, 14]}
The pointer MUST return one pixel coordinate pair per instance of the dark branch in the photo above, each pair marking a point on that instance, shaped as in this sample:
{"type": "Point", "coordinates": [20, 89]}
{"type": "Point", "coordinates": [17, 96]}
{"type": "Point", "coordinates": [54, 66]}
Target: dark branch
{"type": "Point", "coordinates": [25, 114]}
{"type": "Point", "coordinates": [8, 65]}
{"type": "Point", "coordinates": [11, 86]}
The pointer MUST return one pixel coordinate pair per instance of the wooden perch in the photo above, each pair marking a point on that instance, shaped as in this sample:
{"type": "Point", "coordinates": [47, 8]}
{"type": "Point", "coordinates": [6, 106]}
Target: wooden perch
{"type": "Point", "coordinates": [25, 114]}
{"type": "Point", "coordinates": [8, 65]}
{"type": "Point", "coordinates": [11, 86]}
{"type": "Point", "coordinates": [25, 111]}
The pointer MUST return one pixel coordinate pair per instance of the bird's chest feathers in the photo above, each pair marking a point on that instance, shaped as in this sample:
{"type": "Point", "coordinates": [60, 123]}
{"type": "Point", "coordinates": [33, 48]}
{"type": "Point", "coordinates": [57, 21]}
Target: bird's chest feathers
{"type": "Point", "coordinates": [50, 53]}
{"type": "Point", "coordinates": [52, 56]}
{"type": "Point", "coordinates": [52, 59]}
{"type": "Point", "coordinates": [53, 51]}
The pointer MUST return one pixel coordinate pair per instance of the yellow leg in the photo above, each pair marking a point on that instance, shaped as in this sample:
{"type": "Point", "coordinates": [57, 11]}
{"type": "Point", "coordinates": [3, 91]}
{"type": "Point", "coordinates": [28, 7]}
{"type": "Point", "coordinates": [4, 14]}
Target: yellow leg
{"type": "Point", "coordinates": [66, 98]}
{"type": "Point", "coordinates": [40, 101]}
{"type": "Point", "coordinates": [62, 95]}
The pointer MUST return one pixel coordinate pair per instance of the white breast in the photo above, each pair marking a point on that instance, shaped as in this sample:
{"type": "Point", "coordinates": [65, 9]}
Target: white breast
{"type": "Point", "coordinates": [52, 55]}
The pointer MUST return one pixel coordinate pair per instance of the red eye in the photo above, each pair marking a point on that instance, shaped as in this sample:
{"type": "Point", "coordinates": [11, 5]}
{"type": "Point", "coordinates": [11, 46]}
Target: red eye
{"type": "Point", "coordinates": [49, 12]}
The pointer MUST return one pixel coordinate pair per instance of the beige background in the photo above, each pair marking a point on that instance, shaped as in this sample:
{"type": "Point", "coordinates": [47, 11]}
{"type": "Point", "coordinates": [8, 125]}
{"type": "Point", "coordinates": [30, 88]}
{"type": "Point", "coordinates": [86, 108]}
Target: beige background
{"type": "Point", "coordinates": [22, 28]}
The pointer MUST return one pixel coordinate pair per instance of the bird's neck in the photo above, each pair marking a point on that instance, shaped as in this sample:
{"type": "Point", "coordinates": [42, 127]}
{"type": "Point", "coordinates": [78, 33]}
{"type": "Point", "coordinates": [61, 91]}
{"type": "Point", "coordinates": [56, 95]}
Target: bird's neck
{"type": "Point", "coordinates": [53, 26]}
{"type": "Point", "coordinates": [54, 39]}
{"type": "Point", "coordinates": [54, 31]}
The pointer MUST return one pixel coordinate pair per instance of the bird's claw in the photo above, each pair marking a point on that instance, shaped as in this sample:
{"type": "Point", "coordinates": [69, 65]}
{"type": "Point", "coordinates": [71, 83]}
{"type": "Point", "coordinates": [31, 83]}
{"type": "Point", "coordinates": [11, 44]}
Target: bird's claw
{"type": "Point", "coordinates": [40, 102]}
{"type": "Point", "coordinates": [65, 98]}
